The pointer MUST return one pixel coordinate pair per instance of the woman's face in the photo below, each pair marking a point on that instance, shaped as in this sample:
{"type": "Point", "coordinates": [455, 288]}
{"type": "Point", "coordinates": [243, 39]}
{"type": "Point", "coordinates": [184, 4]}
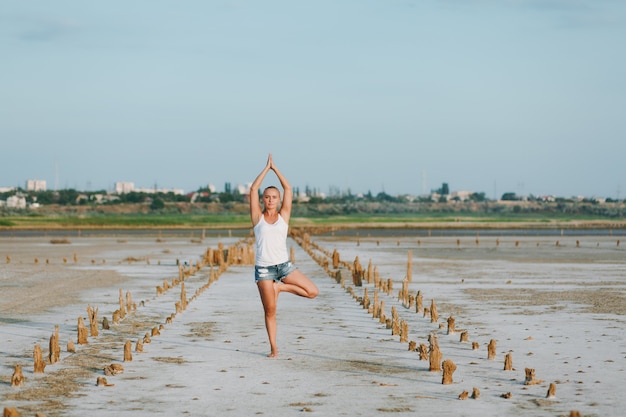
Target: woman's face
{"type": "Point", "coordinates": [271, 198]}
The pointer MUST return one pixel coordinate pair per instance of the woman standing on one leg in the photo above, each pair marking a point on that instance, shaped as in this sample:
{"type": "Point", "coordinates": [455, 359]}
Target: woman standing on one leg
{"type": "Point", "coordinates": [273, 272]}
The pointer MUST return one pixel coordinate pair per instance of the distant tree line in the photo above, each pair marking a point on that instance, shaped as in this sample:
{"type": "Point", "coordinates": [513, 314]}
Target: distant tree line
{"type": "Point", "coordinates": [337, 203]}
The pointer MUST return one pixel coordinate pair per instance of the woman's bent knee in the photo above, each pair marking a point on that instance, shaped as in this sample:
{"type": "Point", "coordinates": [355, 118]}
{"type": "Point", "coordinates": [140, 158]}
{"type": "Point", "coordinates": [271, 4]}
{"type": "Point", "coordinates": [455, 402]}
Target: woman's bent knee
{"type": "Point", "coordinates": [313, 292]}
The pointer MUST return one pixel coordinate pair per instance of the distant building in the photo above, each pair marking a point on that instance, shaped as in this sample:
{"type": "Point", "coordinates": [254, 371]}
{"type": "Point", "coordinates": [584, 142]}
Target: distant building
{"type": "Point", "coordinates": [36, 185]}
{"type": "Point", "coordinates": [548, 198]}
{"type": "Point", "coordinates": [302, 197]}
{"type": "Point", "coordinates": [194, 196]}
{"type": "Point", "coordinates": [82, 197]}
{"type": "Point", "coordinates": [460, 195]}
{"type": "Point", "coordinates": [436, 197]}
{"type": "Point", "coordinates": [124, 187]}
{"type": "Point", "coordinates": [175, 191]}
{"type": "Point", "coordinates": [6, 189]}
{"type": "Point", "coordinates": [99, 198]}
{"type": "Point", "coordinates": [243, 189]}
{"type": "Point", "coordinates": [16, 202]}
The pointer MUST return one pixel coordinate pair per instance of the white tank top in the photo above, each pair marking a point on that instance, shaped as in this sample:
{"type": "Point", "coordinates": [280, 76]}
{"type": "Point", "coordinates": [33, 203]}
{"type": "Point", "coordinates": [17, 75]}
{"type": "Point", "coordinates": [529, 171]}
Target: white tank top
{"type": "Point", "coordinates": [271, 242]}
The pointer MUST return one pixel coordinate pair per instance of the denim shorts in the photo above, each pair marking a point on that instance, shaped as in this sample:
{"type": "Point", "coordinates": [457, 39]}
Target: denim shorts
{"type": "Point", "coordinates": [273, 272]}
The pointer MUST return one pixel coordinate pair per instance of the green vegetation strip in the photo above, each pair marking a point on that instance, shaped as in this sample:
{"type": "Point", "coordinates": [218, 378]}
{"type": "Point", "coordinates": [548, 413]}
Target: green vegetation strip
{"type": "Point", "coordinates": [125, 221]}
{"type": "Point", "coordinates": [220, 220]}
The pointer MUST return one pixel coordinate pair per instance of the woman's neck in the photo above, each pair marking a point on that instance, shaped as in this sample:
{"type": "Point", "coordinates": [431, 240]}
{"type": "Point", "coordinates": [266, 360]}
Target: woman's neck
{"type": "Point", "coordinates": [271, 214]}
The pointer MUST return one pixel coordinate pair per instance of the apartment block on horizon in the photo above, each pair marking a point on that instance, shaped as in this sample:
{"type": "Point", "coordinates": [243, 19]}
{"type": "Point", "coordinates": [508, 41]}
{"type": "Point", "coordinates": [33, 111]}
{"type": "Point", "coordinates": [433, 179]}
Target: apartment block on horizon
{"type": "Point", "coordinates": [122, 187]}
{"type": "Point", "coordinates": [36, 185]}
{"type": "Point", "coordinates": [16, 201]}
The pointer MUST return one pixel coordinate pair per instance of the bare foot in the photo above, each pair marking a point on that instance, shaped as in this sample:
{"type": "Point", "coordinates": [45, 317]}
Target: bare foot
{"type": "Point", "coordinates": [273, 354]}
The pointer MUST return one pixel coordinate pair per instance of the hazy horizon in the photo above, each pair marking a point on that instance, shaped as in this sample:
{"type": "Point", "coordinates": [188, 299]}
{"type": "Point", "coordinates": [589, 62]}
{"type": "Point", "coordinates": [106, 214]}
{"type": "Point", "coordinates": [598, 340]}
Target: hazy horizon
{"type": "Point", "coordinates": [328, 191]}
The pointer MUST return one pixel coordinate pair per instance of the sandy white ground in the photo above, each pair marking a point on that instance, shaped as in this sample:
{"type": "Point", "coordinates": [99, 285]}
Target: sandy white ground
{"type": "Point", "coordinates": [536, 300]}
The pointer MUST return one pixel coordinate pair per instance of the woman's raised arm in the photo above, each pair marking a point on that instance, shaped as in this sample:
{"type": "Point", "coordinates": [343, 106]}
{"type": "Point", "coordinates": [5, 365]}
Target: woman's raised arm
{"type": "Point", "coordinates": [285, 208]}
{"type": "Point", "coordinates": [255, 204]}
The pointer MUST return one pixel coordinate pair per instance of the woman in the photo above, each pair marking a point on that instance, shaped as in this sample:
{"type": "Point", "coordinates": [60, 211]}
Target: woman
{"type": "Point", "coordinates": [273, 272]}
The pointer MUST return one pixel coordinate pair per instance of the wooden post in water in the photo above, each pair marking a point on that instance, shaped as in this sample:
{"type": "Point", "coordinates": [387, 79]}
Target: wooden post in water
{"type": "Point", "coordinates": [434, 317]}
{"type": "Point", "coordinates": [451, 325]}
{"type": "Point", "coordinates": [491, 350]}
{"type": "Point", "coordinates": [82, 332]}
{"type": "Point", "coordinates": [409, 267]}
{"type": "Point", "coordinates": [183, 297]}
{"type": "Point", "coordinates": [508, 362]}
{"type": "Point", "coordinates": [530, 377]}
{"type": "Point", "coordinates": [404, 293]}
{"type": "Point", "coordinates": [130, 305]}
{"type": "Point", "coordinates": [448, 369]}
{"type": "Point", "coordinates": [39, 364]}
{"type": "Point", "coordinates": [357, 273]}
{"type": "Point", "coordinates": [464, 336]}
{"type": "Point", "coordinates": [404, 331]}
{"type": "Point", "coordinates": [370, 272]}
{"type": "Point", "coordinates": [395, 322]}
{"type": "Point", "coordinates": [419, 302]}
{"type": "Point", "coordinates": [17, 379]}
{"type": "Point", "coordinates": [376, 306]}
{"type": "Point", "coordinates": [11, 412]}
{"type": "Point", "coordinates": [336, 259]}
{"type": "Point", "coordinates": [128, 355]}
{"type": "Point", "coordinates": [423, 351]}
{"type": "Point", "coordinates": [54, 354]}
{"type": "Point", "coordinates": [92, 315]}
{"type": "Point", "coordinates": [122, 309]}
{"type": "Point", "coordinates": [434, 354]}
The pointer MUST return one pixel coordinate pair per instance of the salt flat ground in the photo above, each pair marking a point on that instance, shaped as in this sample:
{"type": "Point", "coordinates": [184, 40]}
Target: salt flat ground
{"type": "Point", "coordinates": [559, 309]}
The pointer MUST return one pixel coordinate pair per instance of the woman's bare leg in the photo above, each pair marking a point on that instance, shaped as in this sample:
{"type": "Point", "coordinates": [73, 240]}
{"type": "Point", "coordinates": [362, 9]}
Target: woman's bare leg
{"type": "Point", "coordinates": [269, 295]}
{"type": "Point", "coordinates": [297, 283]}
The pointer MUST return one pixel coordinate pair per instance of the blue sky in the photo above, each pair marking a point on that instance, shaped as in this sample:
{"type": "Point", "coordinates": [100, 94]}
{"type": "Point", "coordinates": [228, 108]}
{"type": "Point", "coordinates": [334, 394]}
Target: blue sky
{"type": "Point", "coordinates": [524, 96]}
